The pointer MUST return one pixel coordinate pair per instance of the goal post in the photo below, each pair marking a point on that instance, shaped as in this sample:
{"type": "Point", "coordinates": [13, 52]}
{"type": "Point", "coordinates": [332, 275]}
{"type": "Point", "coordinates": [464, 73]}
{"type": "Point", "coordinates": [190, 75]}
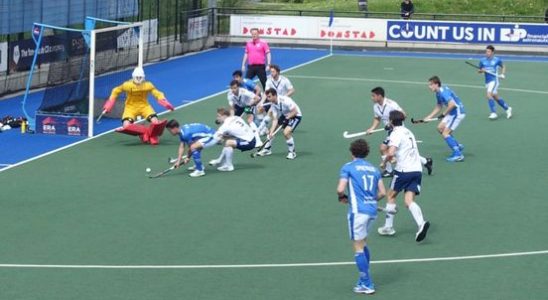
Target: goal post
{"type": "Point", "coordinates": [79, 68]}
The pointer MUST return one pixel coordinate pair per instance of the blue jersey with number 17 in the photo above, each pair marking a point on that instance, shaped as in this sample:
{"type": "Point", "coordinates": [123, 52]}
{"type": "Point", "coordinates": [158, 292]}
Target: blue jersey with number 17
{"type": "Point", "coordinates": [445, 95]}
{"type": "Point", "coordinates": [363, 183]}
{"type": "Point", "coordinates": [490, 65]}
{"type": "Point", "coordinates": [195, 131]}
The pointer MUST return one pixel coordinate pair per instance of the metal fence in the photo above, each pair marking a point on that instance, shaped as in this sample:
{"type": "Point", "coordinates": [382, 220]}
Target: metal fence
{"type": "Point", "coordinates": [183, 26]}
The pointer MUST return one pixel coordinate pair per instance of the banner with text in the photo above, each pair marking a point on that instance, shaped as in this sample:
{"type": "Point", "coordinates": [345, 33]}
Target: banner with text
{"type": "Point", "coordinates": [352, 29]}
{"type": "Point", "coordinates": [461, 32]}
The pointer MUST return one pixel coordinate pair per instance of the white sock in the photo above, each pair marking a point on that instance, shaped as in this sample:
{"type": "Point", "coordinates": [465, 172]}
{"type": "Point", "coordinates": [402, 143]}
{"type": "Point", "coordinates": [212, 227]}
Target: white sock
{"type": "Point", "coordinates": [264, 122]}
{"type": "Point", "coordinates": [228, 154]}
{"type": "Point", "coordinates": [222, 156]}
{"type": "Point", "coordinates": [255, 131]}
{"type": "Point", "coordinates": [269, 144]}
{"type": "Point", "coordinates": [290, 144]}
{"type": "Point", "coordinates": [415, 210]}
{"type": "Point", "coordinates": [423, 160]}
{"type": "Point", "coordinates": [389, 221]}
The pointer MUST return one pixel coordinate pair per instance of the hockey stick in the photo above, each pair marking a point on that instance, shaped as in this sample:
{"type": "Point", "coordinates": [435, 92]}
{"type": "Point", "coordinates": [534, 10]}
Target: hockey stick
{"type": "Point", "coordinates": [347, 135]}
{"type": "Point", "coordinates": [488, 72]}
{"type": "Point", "coordinates": [254, 154]}
{"type": "Point", "coordinates": [423, 120]}
{"type": "Point", "coordinates": [98, 121]}
{"type": "Point", "coordinates": [162, 173]}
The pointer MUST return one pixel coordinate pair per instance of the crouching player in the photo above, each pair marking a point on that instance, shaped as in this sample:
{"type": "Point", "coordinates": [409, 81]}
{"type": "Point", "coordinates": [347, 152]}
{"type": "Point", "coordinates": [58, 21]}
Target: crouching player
{"type": "Point", "coordinates": [235, 133]}
{"type": "Point", "coordinates": [365, 187]}
{"type": "Point", "coordinates": [285, 113]}
{"type": "Point", "coordinates": [137, 105]}
{"type": "Point", "coordinates": [196, 137]}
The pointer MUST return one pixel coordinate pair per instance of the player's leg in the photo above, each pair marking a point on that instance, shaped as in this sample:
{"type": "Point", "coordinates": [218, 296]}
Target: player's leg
{"type": "Point", "coordinates": [501, 102]}
{"type": "Point", "coordinates": [251, 122]}
{"type": "Point", "coordinates": [128, 127]}
{"type": "Point", "coordinates": [447, 125]}
{"type": "Point", "coordinates": [390, 210]}
{"type": "Point", "coordinates": [156, 127]}
{"type": "Point", "coordinates": [261, 73]}
{"type": "Point", "coordinates": [263, 126]}
{"type": "Point", "coordinates": [196, 154]}
{"type": "Point", "coordinates": [288, 133]}
{"type": "Point", "coordinates": [359, 225]}
{"type": "Point", "coordinates": [412, 189]}
{"type": "Point", "coordinates": [388, 169]}
{"type": "Point", "coordinates": [228, 152]}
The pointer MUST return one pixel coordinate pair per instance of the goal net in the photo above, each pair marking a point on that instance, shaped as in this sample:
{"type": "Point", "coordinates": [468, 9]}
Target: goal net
{"type": "Point", "coordinates": [81, 68]}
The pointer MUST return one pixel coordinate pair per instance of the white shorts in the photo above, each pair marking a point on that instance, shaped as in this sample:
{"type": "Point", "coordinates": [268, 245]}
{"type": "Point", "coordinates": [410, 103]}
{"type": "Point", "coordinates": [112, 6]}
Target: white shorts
{"type": "Point", "coordinates": [359, 225]}
{"type": "Point", "coordinates": [492, 86]}
{"type": "Point", "coordinates": [453, 121]}
{"type": "Point", "coordinates": [207, 141]}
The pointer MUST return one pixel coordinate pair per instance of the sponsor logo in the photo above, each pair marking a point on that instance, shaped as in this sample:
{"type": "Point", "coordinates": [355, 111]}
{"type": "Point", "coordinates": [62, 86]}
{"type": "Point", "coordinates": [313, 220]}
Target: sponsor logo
{"type": "Point", "coordinates": [515, 34]}
{"type": "Point", "coordinates": [48, 126]}
{"type": "Point", "coordinates": [73, 127]}
{"type": "Point", "coordinates": [273, 31]}
{"type": "Point", "coordinates": [348, 34]}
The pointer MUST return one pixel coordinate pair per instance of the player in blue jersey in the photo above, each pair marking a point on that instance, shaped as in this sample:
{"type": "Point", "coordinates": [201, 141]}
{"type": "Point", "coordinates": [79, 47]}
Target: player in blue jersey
{"type": "Point", "coordinates": [489, 65]}
{"type": "Point", "coordinates": [365, 187]}
{"type": "Point", "coordinates": [450, 117]}
{"type": "Point", "coordinates": [195, 136]}
{"type": "Point", "coordinates": [246, 83]}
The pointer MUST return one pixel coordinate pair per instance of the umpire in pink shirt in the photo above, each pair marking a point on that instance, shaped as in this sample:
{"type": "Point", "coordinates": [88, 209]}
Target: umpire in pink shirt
{"type": "Point", "coordinates": [257, 55]}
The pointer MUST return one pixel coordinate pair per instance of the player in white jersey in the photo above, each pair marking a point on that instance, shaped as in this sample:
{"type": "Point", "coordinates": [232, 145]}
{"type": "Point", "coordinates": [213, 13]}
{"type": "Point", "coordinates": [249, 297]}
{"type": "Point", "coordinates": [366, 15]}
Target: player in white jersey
{"type": "Point", "coordinates": [286, 113]}
{"type": "Point", "coordinates": [241, 100]}
{"type": "Point", "coordinates": [407, 176]}
{"type": "Point", "coordinates": [283, 87]}
{"type": "Point", "coordinates": [236, 134]}
{"type": "Point", "coordinates": [381, 111]}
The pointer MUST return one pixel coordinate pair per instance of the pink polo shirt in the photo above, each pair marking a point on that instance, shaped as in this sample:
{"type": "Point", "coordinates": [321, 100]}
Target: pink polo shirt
{"type": "Point", "coordinates": [256, 52]}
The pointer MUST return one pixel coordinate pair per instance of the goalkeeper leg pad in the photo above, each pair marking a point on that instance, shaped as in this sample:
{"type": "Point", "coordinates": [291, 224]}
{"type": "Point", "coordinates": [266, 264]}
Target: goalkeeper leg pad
{"type": "Point", "coordinates": [136, 129]}
{"type": "Point", "coordinates": [155, 130]}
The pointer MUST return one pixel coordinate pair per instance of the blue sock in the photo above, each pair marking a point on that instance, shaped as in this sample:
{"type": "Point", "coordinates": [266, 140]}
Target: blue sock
{"type": "Point", "coordinates": [366, 252]}
{"type": "Point", "coordinates": [492, 105]}
{"type": "Point", "coordinates": [453, 145]}
{"type": "Point", "coordinates": [363, 267]}
{"type": "Point", "coordinates": [502, 104]}
{"type": "Point", "coordinates": [197, 157]}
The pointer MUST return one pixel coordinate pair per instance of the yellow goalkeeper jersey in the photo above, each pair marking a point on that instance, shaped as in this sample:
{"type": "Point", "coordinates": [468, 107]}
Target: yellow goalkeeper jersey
{"type": "Point", "coordinates": [137, 93]}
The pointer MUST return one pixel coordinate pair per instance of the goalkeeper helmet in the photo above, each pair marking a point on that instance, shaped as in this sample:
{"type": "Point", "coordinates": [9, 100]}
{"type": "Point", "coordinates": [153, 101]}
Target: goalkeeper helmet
{"type": "Point", "coordinates": [138, 75]}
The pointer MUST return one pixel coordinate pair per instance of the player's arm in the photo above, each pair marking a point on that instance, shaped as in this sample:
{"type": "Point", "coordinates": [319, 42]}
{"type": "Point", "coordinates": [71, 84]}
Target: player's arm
{"type": "Point", "coordinates": [244, 60]}
{"type": "Point", "coordinates": [451, 104]}
{"type": "Point", "coordinates": [341, 187]}
{"type": "Point", "coordinates": [109, 104]}
{"type": "Point", "coordinates": [274, 124]}
{"type": "Point", "coordinates": [180, 155]}
{"type": "Point", "coordinates": [374, 125]}
{"type": "Point", "coordinates": [161, 98]}
{"type": "Point", "coordinates": [390, 155]}
{"type": "Point", "coordinates": [290, 89]}
{"type": "Point", "coordinates": [434, 112]}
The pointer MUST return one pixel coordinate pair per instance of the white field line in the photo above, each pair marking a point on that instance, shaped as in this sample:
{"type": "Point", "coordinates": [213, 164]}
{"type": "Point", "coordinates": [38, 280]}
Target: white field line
{"type": "Point", "coordinates": [409, 82]}
{"type": "Point", "coordinates": [252, 266]}
{"type": "Point", "coordinates": [107, 132]}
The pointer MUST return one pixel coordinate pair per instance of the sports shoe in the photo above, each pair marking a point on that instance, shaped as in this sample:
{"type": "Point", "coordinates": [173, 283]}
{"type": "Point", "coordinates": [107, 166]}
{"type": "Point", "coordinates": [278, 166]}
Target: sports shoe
{"type": "Point", "coordinates": [264, 152]}
{"type": "Point", "coordinates": [197, 173]}
{"type": "Point", "coordinates": [258, 143]}
{"type": "Point", "coordinates": [509, 112]}
{"type": "Point", "coordinates": [214, 162]}
{"type": "Point", "coordinates": [423, 229]}
{"type": "Point", "coordinates": [455, 158]}
{"type": "Point", "coordinates": [386, 231]}
{"type": "Point", "coordinates": [429, 165]}
{"type": "Point", "coordinates": [493, 116]}
{"type": "Point", "coordinates": [362, 288]}
{"type": "Point", "coordinates": [291, 155]}
{"type": "Point", "coordinates": [191, 168]}
{"type": "Point", "coordinates": [225, 168]}
{"type": "Point", "coordinates": [387, 174]}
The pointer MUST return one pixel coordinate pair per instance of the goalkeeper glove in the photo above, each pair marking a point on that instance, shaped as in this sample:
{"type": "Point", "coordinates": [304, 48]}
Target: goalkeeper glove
{"type": "Point", "coordinates": [166, 104]}
{"type": "Point", "coordinates": [107, 107]}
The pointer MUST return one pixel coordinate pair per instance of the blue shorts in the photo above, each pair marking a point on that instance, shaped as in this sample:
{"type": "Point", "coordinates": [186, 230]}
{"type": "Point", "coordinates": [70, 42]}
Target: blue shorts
{"type": "Point", "coordinates": [293, 122]}
{"type": "Point", "coordinates": [406, 181]}
{"type": "Point", "coordinates": [244, 145]}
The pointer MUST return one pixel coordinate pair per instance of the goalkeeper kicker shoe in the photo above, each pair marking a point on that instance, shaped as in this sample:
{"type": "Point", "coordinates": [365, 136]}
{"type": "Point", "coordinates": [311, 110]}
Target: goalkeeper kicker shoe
{"type": "Point", "coordinates": [386, 231]}
{"type": "Point", "coordinates": [197, 173]}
